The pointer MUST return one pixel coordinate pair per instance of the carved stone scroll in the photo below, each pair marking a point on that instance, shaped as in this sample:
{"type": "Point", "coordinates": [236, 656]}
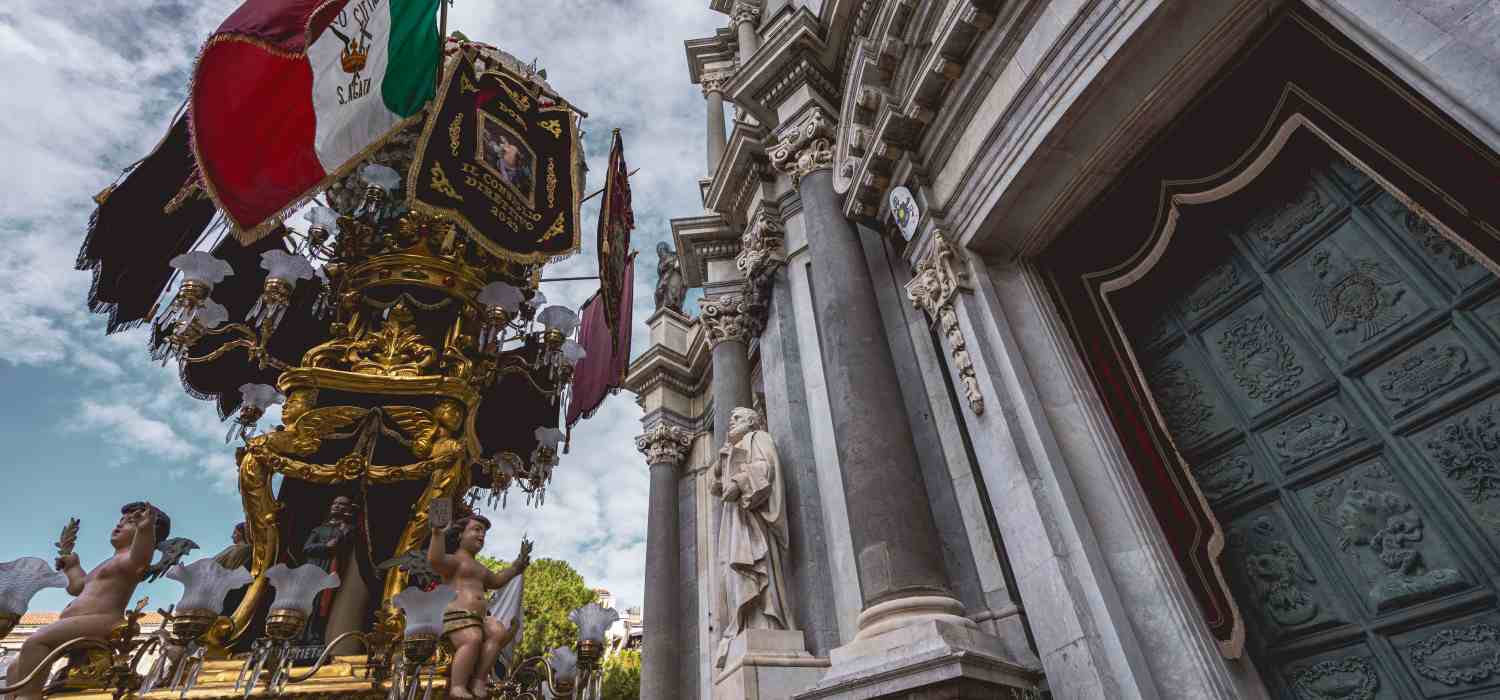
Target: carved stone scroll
{"type": "Point", "coordinates": [939, 275]}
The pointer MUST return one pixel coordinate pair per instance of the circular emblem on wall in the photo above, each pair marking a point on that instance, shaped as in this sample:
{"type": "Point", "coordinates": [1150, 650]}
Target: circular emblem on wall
{"type": "Point", "coordinates": [905, 211]}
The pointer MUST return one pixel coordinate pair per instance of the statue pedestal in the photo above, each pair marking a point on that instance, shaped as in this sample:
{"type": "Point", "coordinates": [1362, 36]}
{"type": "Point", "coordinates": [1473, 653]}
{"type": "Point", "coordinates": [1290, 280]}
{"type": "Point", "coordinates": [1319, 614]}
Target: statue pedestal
{"type": "Point", "coordinates": [929, 659]}
{"type": "Point", "coordinates": [767, 665]}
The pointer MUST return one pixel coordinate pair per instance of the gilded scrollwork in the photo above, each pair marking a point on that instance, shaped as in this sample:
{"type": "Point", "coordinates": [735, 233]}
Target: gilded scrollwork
{"type": "Point", "coordinates": [939, 275]}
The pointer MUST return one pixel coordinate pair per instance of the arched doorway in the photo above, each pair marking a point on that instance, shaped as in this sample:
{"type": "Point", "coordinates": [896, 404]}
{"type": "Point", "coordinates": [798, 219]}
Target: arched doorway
{"type": "Point", "coordinates": [1291, 311]}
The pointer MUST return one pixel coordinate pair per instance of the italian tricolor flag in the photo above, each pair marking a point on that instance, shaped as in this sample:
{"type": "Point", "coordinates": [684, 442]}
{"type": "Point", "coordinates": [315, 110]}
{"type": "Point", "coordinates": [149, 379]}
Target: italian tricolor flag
{"type": "Point", "coordinates": [288, 94]}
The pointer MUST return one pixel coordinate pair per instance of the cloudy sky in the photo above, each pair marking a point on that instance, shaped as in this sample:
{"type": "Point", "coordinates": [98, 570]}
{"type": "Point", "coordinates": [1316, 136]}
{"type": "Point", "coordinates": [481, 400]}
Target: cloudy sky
{"type": "Point", "coordinates": [87, 422]}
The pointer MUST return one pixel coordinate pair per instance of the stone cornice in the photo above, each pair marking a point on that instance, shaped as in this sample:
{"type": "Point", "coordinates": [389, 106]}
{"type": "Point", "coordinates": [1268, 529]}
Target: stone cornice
{"type": "Point", "coordinates": [700, 239]}
{"type": "Point", "coordinates": [710, 54]}
{"type": "Point", "coordinates": [805, 146]}
{"type": "Point", "coordinates": [792, 53]}
{"type": "Point", "coordinates": [666, 444]}
{"type": "Point", "coordinates": [682, 370]}
{"type": "Point", "coordinates": [743, 167]}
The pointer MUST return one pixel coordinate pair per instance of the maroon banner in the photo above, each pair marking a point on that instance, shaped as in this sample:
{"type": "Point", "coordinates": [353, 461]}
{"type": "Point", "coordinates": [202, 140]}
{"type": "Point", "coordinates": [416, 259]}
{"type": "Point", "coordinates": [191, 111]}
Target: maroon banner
{"type": "Point", "coordinates": [603, 370]}
{"type": "Point", "coordinates": [616, 219]}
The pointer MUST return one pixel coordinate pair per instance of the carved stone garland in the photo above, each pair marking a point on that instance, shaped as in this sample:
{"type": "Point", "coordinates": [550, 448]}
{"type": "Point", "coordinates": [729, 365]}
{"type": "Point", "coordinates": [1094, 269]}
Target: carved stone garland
{"type": "Point", "coordinates": [664, 444]}
{"type": "Point", "coordinates": [805, 148]}
{"type": "Point", "coordinates": [939, 275]}
{"type": "Point", "coordinates": [726, 319]}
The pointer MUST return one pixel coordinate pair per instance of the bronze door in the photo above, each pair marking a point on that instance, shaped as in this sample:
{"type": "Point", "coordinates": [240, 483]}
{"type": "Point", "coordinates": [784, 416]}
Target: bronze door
{"type": "Point", "coordinates": [1329, 365]}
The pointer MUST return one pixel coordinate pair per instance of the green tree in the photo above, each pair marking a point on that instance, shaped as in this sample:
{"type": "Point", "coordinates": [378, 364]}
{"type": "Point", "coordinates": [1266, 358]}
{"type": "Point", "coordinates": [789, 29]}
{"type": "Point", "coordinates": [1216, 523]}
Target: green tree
{"type": "Point", "coordinates": [553, 589]}
{"type": "Point", "coordinates": [622, 676]}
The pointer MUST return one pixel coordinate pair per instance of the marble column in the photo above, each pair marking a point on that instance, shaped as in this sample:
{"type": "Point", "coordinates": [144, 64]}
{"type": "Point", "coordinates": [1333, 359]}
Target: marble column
{"type": "Point", "coordinates": [729, 325]}
{"type": "Point", "coordinates": [897, 549]}
{"type": "Point", "coordinates": [745, 19]}
{"type": "Point", "coordinates": [713, 93]}
{"type": "Point", "coordinates": [665, 446]}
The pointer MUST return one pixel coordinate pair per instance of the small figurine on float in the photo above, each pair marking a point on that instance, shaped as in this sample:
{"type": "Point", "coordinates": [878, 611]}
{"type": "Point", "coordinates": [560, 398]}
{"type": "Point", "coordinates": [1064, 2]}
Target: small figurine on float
{"type": "Point", "coordinates": [476, 639]}
{"type": "Point", "coordinates": [101, 594]}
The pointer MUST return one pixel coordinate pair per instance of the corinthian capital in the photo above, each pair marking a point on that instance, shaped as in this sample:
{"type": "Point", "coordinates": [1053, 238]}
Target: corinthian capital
{"type": "Point", "coordinates": [806, 147]}
{"type": "Point", "coordinates": [760, 246]}
{"type": "Point", "coordinates": [713, 81]}
{"type": "Point", "coordinates": [744, 12]}
{"type": "Point", "coordinates": [664, 444]}
{"type": "Point", "coordinates": [726, 319]}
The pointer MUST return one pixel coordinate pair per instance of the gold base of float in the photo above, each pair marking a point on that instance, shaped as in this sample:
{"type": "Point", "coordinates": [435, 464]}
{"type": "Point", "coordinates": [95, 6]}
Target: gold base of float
{"type": "Point", "coordinates": [341, 677]}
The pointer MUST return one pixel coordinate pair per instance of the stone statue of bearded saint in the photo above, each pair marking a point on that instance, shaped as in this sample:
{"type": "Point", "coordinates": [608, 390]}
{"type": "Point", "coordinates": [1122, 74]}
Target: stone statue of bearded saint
{"type": "Point", "coordinates": [671, 290]}
{"type": "Point", "coordinates": [753, 536]}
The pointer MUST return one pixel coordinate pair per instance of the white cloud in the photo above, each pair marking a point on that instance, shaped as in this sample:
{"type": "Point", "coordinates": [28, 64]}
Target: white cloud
{"type": "Point", "coordinates": [91, 85]}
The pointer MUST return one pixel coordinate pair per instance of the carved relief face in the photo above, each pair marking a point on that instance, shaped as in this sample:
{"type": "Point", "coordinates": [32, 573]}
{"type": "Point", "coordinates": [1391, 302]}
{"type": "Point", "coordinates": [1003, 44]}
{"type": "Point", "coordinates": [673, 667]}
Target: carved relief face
{"type": "Point", "coordinates": [472, 539]}
{"type": "Point", "coordinates": [449, 414]}
{"type": "Point", "coordinates": [298, 403]}
{"type": "Point", "coordinates": [742, 421]}
{"type": "Point", "coordinates": [124, 531]}
{"type": "Point", "coordinates": [238, 537]}
{"type": "Point", "coordinates": [342, 510]}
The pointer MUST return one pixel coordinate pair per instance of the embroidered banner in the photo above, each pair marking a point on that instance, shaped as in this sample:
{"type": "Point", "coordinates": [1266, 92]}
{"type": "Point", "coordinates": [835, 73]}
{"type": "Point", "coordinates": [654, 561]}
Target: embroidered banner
{"type": "Point", "coordinates": [616, 219]}
{"type": "Point", "coordinates": [503, 161]}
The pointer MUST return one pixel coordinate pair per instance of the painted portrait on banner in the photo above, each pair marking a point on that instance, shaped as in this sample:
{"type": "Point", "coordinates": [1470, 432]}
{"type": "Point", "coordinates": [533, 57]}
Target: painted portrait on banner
{"type": "Point", "coordinates": [506, 155]}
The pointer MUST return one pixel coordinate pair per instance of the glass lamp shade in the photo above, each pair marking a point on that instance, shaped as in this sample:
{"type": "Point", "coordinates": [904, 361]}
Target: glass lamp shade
{"type": "Point", "coordinates": [282, 265]}
{"type": "Point", "coordinates": [199, 266]}
{"type": "Point", "coordinates": [502, 295]}
{"type": "Point", "coordinates": [212, 315]}
{"type": "Point", "coordinates": [205, 583]}
{"type": "Point", "coordinates": [559, 318]}
{"type": "Point", "coordinates": [564, 665]}
{"type": "Point", "coordinates": [538, 299]}
{"type": "Point", "coordinates": [296, 588]}
{"type": "Point", "coordinates": [20, 579]}
{"type": "Point", "coordinates": [548, 438]}
{"type": "Point", "coordinates": [260, 396]}
{"type": "Point", "coordinates": [382, 176]}
{"type": "Point", "coordinates": [324, 218]}
{"type": "Point", "coordinates": [424, 609]}
{"type": "Point", "coordinates": [592, 620]}
{"type": "Point", "coordinates": [573, 352]}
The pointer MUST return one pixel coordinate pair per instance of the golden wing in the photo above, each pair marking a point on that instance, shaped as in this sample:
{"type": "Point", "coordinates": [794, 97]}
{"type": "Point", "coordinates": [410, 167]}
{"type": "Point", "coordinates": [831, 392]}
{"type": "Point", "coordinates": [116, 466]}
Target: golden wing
{"type": "Point", "coordinates": [306, 435]}
{"type": "Point", "coordinates": [416, 424]}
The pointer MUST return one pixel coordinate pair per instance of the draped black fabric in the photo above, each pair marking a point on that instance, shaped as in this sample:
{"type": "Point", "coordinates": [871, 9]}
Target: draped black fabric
{"type": "Point", "coordinates": [512, 408]}
{"type": "Point", "coordinates": [131, 236]}
{"type": "Point", "coordinates": [299, 331]}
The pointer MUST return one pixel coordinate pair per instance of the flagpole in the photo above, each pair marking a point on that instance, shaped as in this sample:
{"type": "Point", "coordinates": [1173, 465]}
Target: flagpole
{"type": "Point", "coordinates": [442, 42]}
{"type": "Point", "coordinates": [601, 189]}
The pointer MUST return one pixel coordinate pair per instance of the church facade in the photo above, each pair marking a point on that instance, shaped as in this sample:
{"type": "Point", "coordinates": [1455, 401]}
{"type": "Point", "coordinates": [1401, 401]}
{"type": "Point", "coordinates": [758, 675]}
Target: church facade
{"type": "Point", "coordinates": [1105, 349]}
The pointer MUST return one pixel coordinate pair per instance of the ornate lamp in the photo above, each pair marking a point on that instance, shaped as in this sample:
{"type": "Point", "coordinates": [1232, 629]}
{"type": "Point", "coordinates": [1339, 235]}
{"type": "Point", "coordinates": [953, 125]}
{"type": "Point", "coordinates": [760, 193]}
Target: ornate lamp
{"type": "Point", "coordinates": [295, 591]}
{"type": "Point", "coordinates": [207, 316]}
{"type": "Point", "coordinates": [558, 323]}
{"type": "Point", "coordinates": [562, 676]}
{"type": "Point", "coordinates": [380, 182]}
{"type": "Point", "coordinates": [205, 583]}
{"type": "Point", "coordinates": [592, 620]}
{"type": "Point", "coordinates": [283, 271]}
{"type": "Point", "coordinates": [256, 398]}
{"type": "Point", "coordinates": [501, 304]}
{"type": "Point", "coordinates": [535, 476]}
{"type": "Point", "coordinates": [571, 353]}
{"type": "Point", "coordinates": [20, 580]}
{"type": "Point", "coordinates": [423, 611]}
{"type": "Point", "coordinates": [200, 272]}
{"type": "Point", "coordinates": [324, 224]}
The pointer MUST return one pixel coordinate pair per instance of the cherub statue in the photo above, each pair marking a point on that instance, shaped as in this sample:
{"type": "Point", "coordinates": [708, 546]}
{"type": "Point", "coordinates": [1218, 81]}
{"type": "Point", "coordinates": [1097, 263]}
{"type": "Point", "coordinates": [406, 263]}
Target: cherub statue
{"type": "Point", "coordinates": [476, 639]}
{"type": "Point", "coordinates": [101, 594]}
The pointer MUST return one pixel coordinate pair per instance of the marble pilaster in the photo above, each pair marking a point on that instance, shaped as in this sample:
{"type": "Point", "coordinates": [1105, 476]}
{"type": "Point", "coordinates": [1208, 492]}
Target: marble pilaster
{"type": "Point", "coordinates": [718, 139]}
{"type": "Point", "coordinates": [745, 19]}
{"type": "Point", "coordinates": [729, 325]}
